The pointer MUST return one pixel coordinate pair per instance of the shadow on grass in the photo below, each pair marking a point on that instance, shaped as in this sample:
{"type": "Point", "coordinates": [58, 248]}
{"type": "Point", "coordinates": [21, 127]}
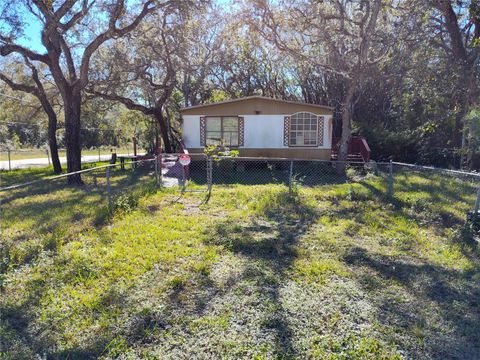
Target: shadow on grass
{"type": "Point", "coordinates": [50, 217]}
{"type": "Point", "coordinates": [15, 324]}
{"type": "Point", "coordinates": [18, 176]}
{"type": "Point", "coordinates": [269, 247]}
{"type": "Point", "coordinates": [455, 293]}
{"type": "Point", "coordinates": [270, 244]}
{"type": "Point", "coordinates": [20, 343]}
{"type": "Point", "coordinates": [67, 204]}
{"type": "Point", "coordinates": [439, 188]}
{"type": "Point", "coordinates": [425, 208]}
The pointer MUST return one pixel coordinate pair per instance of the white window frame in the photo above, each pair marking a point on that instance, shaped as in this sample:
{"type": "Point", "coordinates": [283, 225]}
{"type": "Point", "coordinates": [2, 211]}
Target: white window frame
{"type": "Point", "coordinates": [291, 130]}
{"type": "Point", "coordinates": [222, 130]}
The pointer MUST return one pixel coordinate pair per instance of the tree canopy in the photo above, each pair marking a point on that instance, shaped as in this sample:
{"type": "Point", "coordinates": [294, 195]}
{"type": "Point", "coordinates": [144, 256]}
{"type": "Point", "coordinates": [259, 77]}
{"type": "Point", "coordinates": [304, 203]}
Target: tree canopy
{"type": "Point", "coordinates": [403, 73]}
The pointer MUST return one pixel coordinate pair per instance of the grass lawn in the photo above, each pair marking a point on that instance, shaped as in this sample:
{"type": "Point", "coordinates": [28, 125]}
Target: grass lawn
{"type": "Point", "coordinates": [327, 272]}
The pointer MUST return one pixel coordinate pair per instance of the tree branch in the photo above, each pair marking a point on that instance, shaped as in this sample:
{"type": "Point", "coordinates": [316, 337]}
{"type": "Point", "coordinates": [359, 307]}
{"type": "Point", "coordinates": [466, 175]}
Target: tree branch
{"type": "Point", "coordinates": [77, 16]}
{"type": "Point", "coordinates": [129, 104]}
{"type": "Point", "coordinates": [451, 23]}
{"type": "Point", "coordinates": [18, 87]}
{"type": "Point", "coordinates": [111, 33]}
{"type": "Point", "coordinates": [36, 79]}
{"type": "Point", "coordinates": [9, 48]}
{"type": "Point", "coordinates": [69, 58]}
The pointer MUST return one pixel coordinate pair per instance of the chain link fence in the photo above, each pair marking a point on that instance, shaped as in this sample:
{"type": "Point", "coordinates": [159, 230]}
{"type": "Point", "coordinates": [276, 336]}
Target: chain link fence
{"type": "Point", "coordinates": [104, 187]}
{"type": "Point", "coordinates": [413, 186]}
{"type": "Point", "coordinates": [410, 185]}
{"type": "Point", "coordinates": [210, 171]}
{"type": "Point", "coordinates": [291, 173]}
{"type": "Point", "coordinates": [437, 190]}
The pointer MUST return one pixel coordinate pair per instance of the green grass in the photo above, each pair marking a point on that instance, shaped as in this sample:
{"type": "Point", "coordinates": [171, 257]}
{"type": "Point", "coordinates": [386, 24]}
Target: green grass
{"type": "Point", "coordinates": [19, 176]}
{"type": "Point", "coordinates": [328, 272]}
{"type": "Point", "coordinates": [24, 154]}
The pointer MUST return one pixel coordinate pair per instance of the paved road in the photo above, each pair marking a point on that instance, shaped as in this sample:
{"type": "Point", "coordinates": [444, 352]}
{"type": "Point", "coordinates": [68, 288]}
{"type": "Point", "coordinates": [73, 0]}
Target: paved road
{"type": "Point", "coordinates": [27, 163]}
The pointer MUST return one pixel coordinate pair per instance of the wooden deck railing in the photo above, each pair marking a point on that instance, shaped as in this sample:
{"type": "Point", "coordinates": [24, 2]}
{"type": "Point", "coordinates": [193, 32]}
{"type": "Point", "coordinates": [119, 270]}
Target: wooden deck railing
{"type": "Point", "coordinates": [358, 145]}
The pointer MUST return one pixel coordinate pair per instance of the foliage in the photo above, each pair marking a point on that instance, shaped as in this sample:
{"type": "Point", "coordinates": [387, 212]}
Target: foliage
{"type": "Point", "coordinates": [21, 124]}
{"type": "Point", "coordinates": [219, 151]}
{"type": "Point", "coordinates": [472, 134]}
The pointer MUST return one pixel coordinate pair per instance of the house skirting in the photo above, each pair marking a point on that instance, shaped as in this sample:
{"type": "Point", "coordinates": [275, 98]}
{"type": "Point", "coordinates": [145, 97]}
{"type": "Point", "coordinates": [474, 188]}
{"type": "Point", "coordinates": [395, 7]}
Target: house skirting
{"type": "Point", "coordinates": [292, 153]}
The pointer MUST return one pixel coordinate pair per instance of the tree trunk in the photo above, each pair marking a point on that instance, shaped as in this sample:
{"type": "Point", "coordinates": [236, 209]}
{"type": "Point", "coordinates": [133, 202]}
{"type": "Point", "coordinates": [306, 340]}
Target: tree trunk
{"type": "Point", "coordinates": [463, 95]}
{"type": "Point", "coordinates": [52, 134]}
{"type": "Point", "coordinates": [186, 89]}
{"type": "Point", "coordinates": [163, 131]}
{"type": "Point", "coordinates": [52, 143]}
{"type": "Point", "coordinates": [72, 103]}
{"type": "Point", "coordinates": [347, 113]}
{"type": "Point", "coordinates": [171, 134]}
{"type": "Point", "coordinates": [461, 56]}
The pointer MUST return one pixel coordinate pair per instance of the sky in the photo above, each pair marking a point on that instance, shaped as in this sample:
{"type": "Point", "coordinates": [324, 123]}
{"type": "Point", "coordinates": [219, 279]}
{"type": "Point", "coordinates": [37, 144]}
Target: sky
{"type": "Point", "coordinates": [32, 40]}
{"type": "Point", "coordinates": [31, 32]}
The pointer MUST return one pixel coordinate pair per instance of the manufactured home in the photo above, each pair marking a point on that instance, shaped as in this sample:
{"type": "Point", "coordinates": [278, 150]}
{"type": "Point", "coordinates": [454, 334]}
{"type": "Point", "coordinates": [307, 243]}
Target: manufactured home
{"type": "Point", "coordinates": [260, 127]}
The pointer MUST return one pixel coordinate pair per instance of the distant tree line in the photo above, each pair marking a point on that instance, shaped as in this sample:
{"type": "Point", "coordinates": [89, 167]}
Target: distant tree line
{"type": "Point", "coordinates": [403, 73]}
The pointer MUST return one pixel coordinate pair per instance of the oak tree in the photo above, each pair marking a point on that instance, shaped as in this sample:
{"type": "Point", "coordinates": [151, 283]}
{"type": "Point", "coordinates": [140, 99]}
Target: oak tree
{"type": "Point", "coordinates": [71, 32]}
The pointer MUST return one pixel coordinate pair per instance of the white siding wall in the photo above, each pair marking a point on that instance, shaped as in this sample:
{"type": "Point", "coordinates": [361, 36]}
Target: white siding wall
{"type": "Point", "coordinates": [261, 131]}
{"type": "Point", "coordinates": [328, 132]}
{"type": "Point", "coordinates": [191, 131]}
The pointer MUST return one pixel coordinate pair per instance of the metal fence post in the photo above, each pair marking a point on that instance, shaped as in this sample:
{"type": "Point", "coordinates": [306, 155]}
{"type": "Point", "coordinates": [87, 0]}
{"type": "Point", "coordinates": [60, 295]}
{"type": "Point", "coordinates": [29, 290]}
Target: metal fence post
{"type": "Point", "coordinates": [48, 157]}
{"type": "Point", "coordinates": [9, 160]}
{"type": "Point", "coordinates": [109, 191]}
{"type": "Point", "coordinates": [209, 174]}
{"type": "Point", "coordinates": [290, 177]}
{"type": "Point", "coordinates": [184, 178]}
{"type": "Point", "coordinates": [157, 175]}
{"type": "Point", "coordinates": [160, 168]}
{"type": "Point", "coordinates": [390, 180]}
{"type": "Point", "coordinates": [477, 205]}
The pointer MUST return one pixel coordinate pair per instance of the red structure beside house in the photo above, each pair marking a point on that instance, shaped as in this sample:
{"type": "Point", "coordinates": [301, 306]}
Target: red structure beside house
{"type": "Point", "coordinates": [358, 149]}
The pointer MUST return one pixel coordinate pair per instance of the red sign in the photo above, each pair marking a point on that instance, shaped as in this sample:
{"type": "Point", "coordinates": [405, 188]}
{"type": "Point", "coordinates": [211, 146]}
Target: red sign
{"type": "Point", "coordinates": [184, 159]}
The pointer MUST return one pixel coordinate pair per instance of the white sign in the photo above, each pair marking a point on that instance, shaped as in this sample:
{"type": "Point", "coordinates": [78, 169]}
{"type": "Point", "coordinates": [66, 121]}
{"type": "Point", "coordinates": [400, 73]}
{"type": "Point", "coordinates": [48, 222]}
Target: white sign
{"type": "Point", "coordinates": [184, 159]}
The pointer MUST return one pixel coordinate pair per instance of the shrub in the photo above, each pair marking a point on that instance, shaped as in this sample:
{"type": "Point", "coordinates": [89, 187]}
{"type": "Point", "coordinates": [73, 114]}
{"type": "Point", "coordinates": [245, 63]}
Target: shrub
{"type": "Point", "coordinates": [125, 203]}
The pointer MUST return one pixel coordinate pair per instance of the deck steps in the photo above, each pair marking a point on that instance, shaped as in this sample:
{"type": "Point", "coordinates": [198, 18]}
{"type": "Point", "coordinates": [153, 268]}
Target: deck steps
{"type": "Point", "coordinates": [355, 157]}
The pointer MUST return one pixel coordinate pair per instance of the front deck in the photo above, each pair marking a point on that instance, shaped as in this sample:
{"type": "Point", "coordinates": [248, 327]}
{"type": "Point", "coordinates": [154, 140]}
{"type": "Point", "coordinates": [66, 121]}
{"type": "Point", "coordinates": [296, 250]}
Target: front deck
{"type": "Point", "coordinates": [358, 149]}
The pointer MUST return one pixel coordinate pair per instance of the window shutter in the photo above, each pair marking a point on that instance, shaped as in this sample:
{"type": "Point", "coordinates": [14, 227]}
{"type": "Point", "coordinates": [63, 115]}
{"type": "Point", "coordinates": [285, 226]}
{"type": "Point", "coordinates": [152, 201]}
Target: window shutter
{"type": "Point", "coordinates": [320, 130]}
{"type": "Point", "coordinates": [241, 128]}
{"type": "Point", "coordinates": [286, 130]}
{"type": "Point", "coordinates": [203, 131]}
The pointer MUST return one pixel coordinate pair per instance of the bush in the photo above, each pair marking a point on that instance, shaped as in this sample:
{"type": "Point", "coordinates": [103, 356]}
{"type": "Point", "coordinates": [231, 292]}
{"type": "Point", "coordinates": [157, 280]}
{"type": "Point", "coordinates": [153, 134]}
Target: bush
{"type": "Point", "coordinates": [125, 203]}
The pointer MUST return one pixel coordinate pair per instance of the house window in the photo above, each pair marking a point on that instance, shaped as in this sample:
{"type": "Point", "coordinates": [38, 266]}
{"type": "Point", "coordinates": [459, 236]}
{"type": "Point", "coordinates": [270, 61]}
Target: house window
{"type": "Point", "coordinates": [303, 129]}
{"type": "Point", "coordinates": [222, 130]}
